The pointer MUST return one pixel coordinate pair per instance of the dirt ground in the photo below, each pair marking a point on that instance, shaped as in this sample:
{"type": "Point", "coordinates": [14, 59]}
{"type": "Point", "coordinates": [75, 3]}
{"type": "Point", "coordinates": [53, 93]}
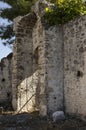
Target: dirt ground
{"type": "Point", "coordinates": [32, 121]}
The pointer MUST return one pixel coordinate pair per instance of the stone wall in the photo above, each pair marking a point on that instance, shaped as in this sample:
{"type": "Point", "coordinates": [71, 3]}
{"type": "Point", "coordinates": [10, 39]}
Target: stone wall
{"type": "Point", "coordinates": [54, 68]}
{"type": "Point", "coordinates": [39, 43]}
{"type": "Point", "coordinates": [35, 72]}
{"type": "Point", "coordinates": [75, 66]}
{"type": "Point", "coordinates": [6, 82]}
{"type": "Point", "coordinates": [49, 65]}
{"type": "Point", "coordinates": [23, 87]}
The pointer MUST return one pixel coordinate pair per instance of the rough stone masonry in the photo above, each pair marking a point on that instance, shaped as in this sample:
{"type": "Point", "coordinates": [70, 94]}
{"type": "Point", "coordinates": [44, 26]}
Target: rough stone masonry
{"type": "Point", "coordinates": [49, 65]}
{"type": "Point", "coordinates": [6, 82]}
{"type": "Point", "coordinates": [38, 65]}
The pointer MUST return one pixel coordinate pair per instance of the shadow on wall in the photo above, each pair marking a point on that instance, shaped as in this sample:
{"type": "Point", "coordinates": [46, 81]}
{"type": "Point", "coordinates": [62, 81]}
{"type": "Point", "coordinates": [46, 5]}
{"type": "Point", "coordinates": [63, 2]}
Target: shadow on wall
{"type": "Point", "coordinates": [28, 88]}
{"type": "Point", "coordinates": [25, 62]}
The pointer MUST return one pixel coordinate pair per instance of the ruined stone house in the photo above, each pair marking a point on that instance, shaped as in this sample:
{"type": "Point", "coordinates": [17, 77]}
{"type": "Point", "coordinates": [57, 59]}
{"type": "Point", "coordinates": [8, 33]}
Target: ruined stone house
{"type": "Point", "coordinates": [49, 65]}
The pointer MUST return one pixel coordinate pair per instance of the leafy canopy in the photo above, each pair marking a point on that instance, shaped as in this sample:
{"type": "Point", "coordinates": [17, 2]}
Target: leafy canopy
{"type": "Point", "coordinates": [64, 11]}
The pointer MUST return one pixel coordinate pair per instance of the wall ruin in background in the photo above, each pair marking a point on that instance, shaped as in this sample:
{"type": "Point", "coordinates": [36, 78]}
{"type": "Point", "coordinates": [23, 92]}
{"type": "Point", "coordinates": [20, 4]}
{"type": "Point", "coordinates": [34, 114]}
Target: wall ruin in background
{"type": "Point", "coordinates": [6, 82]}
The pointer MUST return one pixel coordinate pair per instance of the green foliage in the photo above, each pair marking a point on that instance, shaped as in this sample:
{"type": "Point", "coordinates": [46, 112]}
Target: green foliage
{"type": "Point", "coordinates": [18, 7]}
{"type": "Point", "coordinates": [7, 34]}
{"type": "Point", "coordinates": [64, 11]}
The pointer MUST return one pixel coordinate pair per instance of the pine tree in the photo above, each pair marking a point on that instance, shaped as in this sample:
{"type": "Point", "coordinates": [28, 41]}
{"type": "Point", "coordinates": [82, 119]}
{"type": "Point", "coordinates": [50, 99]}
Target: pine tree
{"type": "Point", "coordinates": [18, 8]}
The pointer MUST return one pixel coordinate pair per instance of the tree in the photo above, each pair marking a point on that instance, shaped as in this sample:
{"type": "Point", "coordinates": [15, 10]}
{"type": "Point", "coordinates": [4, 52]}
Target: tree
{"type": "Point", "coordinates": [18, 7]}
{"type": "Point", "coordinates": [64, 11]}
